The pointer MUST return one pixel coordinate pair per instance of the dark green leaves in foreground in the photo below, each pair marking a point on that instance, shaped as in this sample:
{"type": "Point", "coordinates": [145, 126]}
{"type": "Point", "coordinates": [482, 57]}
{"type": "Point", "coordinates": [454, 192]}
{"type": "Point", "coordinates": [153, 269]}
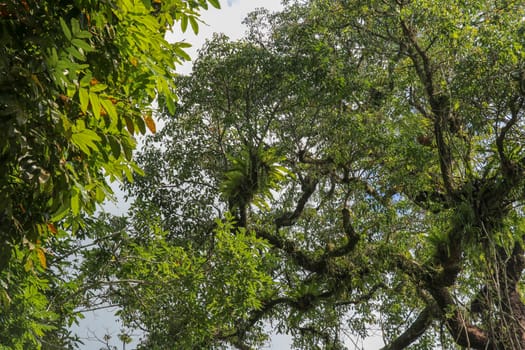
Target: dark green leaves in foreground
{"type": "Point", "coordinates": [77, 84]}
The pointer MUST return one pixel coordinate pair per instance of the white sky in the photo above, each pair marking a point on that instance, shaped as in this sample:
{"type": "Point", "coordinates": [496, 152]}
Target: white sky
{"type": "Point", "coordinates": [227, 20]}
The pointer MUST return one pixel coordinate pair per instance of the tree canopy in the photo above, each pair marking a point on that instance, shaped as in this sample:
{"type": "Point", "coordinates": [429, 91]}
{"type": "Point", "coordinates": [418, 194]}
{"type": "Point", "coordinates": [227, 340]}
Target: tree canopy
{"type": "Point", "coordinates": [77, 82]}
{"type": "Point", "coordinates": [347, 167]}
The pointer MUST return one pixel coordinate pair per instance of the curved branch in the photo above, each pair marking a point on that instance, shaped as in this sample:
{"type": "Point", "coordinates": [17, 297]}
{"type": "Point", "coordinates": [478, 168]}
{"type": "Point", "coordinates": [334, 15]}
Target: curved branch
{"type": "Point", "coordinates": [306, 301]}
{"type": "Point", "coordinates": [506, 164]}
{"type": "Point", "coordinates": [302, 258]}
{"type": "Point", "coordinates": [416, 329]}
{"type": "Point", "coordinates": [462, 331]}
{"type": "Point", "coordinates": [288, 219]}
{"type": "Point", "coordinates": [352, 237]}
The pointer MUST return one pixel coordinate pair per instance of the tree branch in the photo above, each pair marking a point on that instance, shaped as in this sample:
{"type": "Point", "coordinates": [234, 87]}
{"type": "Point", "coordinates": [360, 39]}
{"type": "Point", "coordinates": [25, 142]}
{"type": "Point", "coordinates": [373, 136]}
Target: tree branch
{"type": "Point", "coordinates": [462, 331]}
{"type": "Point", "coordinates": [439, 103]}
{"type": "Point", "coordinates": [300, 257]}
{"type": "Point", "coordinates": [352, 237]}
{"type": "Point", "coordinates": [416, 329]}
{"type": "Point", "coordinates": [464, 334]}
{"type": "Point", "coordinates": [289, 218]}
{"type": "Point", "coordinates": [506, 165]}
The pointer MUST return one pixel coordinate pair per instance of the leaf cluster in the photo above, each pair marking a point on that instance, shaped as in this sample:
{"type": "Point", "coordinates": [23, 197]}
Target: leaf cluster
{"type": "Point", "coordinates": [77, 83]}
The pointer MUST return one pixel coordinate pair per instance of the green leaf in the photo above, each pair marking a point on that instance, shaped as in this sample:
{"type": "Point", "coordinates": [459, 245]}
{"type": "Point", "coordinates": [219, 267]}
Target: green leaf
{"type": "Point", "coordinates": [194, 24]}
{"type": "Point", "coordinates": [129, 124]}
{"type": "Point", "coordinates": [65, 28]}
{"type": "Point", "coordinates": [141, 124]}
{"type": "Point", "coordinates": [98, 87]}
{"type": "Point", "coordinates": [116, 148]}
{"type": "Point", "coordinates": [75, 26]}
{"type": "Point", "coordinates": [84, 99]}
{"type": "Point", "coordinates": [75, 201]}
{"type": "Point", "coordinates": [171, 105]}
{"type": "Point", "coordinates": [95, 104]}
{"type": "Point", "coordinates": [85, 81]}
{"type": "Point", "coordinates": [182, 54]}
{"type": "Point", "coordinates": [83, 34]}
{"type": "Point", "coordinates": [109, 107]}
{"type": "Point", "coordinates": [128, 150]}
{"type": "Point", "coordinates": [85, 139]}
{"type": "Point", "coordinates": [184, 23]}
{"type": "Point", "coordinates": [60, 213]}
{"type": "Point", "coordinates": [100, 195]}
{"type": "Point", "coordinates": [215, 3]}
{"type": "Point", "coordinates": [81, 44]}
{"type": "Point", "coordinates": [75, 53]}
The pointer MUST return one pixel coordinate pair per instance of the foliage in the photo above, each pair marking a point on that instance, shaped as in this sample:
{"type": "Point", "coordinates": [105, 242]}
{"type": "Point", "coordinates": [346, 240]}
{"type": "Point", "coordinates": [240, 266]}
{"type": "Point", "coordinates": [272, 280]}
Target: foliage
{"type": "Point", "coordinates": [250, 179]}
{"type": "Point", "coordinates": [195, 291]}
{"type": "Point", "coordinates": [398, 129]}
{"type": "Point", "coordinates": [77, 82]}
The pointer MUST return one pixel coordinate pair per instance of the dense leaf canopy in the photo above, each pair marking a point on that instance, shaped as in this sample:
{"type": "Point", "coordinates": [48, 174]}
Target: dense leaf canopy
{"type": "Point", "coordinates": [371, 154]}
{"type": "Point", "coordinates": [77, 82]}
{"type": "Point", "coordinates": [349, 168]}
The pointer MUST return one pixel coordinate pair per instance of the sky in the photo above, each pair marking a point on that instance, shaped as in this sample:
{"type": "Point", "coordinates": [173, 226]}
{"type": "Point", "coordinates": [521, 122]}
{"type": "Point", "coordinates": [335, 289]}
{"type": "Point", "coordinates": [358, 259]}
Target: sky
{"type": "Point", "coordinates": [227, 20]}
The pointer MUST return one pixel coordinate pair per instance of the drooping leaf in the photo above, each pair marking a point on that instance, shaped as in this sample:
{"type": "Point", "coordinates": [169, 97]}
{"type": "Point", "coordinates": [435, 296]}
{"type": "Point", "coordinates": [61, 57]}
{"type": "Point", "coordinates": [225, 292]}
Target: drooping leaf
{"type": "Point", "coordinates": [41, 257]}
{"type": "Point", "coordinates": [150, 123]}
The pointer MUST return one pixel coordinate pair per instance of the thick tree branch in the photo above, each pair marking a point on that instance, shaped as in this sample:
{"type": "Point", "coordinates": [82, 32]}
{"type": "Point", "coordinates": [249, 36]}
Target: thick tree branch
{"type": "Point", "coordinates": [306, 158]}
{"type": "Point", "coordinates": [464, 333]}
{"type": "Point", "coordinates": [415, 330]}
{"type": "Point", "coordinates": [512, 304]}
{"type": "Point", "coordinates": [304, 302]}
{"type": "Point", "coordinates": [351, 235]}
{"type": "Point", "coordinates": [307, 261]}
{"type": "Point", "coordinates": [302, 258]}
{"type": "Point", "coordinates": [420, 59]}
{"type": "Point", "coordinates": [437, 284]}
{"type": "Point", "coordinates": [288, 219]}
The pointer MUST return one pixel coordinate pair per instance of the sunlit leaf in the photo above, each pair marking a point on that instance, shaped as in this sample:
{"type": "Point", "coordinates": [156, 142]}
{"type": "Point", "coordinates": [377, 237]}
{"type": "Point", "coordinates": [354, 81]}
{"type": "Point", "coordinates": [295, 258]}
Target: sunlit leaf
{"type": "Point", "coordinates": [41, 257]}
{"type": "Point", "coordinates": [194, 24]}
{"type": "Point", "coordinates": [84, 99]}
{"type": "Point", "coordinates": [215, 3]}
{"type": "Point", "coordinates": [184, 23]}
{"type": "Point", "coordinates": [95, 103]}
{"type": "Point", "coordinates": [109, 107]}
